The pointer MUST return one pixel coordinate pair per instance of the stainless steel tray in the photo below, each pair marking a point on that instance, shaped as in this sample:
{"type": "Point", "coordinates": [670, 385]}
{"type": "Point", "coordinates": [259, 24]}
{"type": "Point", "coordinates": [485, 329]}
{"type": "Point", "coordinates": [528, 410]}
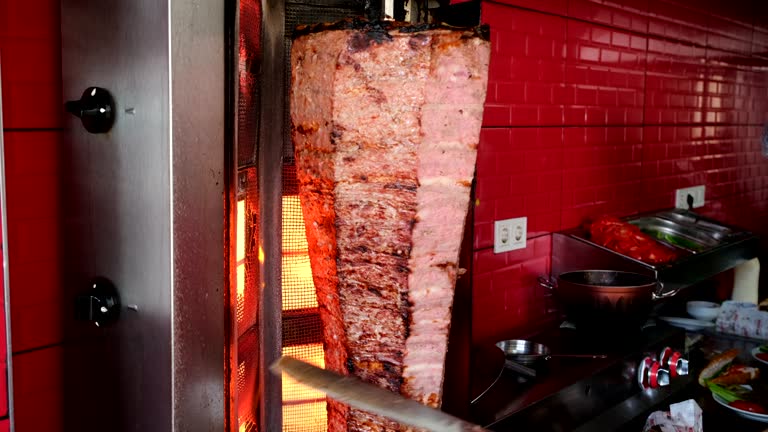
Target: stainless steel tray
{"type": "Point", "coordinates": [719, 247]}
{"type": "Point", "coordinates": [676, 235]}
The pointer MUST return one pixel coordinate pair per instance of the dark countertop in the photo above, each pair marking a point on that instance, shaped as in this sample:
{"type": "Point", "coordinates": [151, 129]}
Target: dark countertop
{"type": "Point", "coordinates": [716, 417]}
{"type": "Point", "coordinates": [520, 405]}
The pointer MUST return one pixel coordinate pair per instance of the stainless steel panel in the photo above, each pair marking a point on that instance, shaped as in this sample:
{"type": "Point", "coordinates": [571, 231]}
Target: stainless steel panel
{"type": "Point", "coordinates": [143, 206]}
{"type": "Point", "coordinates": [270, 151]}
{"type": "Point", "coordinates": [199, 175]}
{"type": "Point", "coordinates": [717, 230]}
{"type": "Point", "coordinates": [6, 281]}
{"type": "Point", "coordinates": [117, 211]}
{"type": "Point", "coordinates": [695, 240]}
{"type": "Point", "coordinates": [570, 253]}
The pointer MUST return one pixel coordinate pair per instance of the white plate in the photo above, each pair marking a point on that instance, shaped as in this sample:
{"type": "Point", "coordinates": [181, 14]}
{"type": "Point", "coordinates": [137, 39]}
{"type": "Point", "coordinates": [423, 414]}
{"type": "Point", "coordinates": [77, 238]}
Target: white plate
{"type": "Point", "coordinates": [746, 414]}
{"type": "Point", "coordinates": [756, 351]}
{"type": "Point", "coordinates": [688, 323]}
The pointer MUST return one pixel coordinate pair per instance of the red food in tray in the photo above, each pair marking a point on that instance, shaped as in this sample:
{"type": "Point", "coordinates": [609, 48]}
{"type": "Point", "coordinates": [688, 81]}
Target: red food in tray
{"type": "Point", "coordinates": [627, 239]}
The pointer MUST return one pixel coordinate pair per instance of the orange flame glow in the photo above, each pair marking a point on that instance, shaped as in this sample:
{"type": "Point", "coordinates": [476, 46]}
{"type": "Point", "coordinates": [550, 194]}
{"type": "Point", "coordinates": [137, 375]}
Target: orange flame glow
{"type": "Point", "coordinates": [304, 409]}
{"type": "Point", "coordinates": [298, 287]}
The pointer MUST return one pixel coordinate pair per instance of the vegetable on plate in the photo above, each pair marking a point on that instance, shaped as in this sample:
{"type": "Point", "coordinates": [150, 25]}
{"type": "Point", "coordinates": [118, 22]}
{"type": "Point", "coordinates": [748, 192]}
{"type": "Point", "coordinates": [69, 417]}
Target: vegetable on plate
{"type": "Point", "coordinates": [735, 384]}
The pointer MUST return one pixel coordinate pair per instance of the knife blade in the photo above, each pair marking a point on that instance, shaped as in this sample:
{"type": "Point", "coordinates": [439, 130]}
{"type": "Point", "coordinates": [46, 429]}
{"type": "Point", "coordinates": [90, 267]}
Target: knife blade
{"type": "Point", "coordinates": [351, 390]}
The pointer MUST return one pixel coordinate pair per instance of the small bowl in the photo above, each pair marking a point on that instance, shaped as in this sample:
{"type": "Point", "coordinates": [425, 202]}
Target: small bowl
{"type": "Point", "coordinates": [525, 352]}
{"type": "Point", "coordinates": [703, 310]}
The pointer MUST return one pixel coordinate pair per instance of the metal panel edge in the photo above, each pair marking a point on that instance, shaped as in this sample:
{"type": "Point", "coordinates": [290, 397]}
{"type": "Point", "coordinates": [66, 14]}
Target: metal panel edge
{"type": "Point", "coordinates": [6, 281]}
{"type": "Point", "coordinates": [197, 44]}
{"type": "Point", "coordinates": [270, 148]}
{"type": "Point", "coordinates": [232, 72]}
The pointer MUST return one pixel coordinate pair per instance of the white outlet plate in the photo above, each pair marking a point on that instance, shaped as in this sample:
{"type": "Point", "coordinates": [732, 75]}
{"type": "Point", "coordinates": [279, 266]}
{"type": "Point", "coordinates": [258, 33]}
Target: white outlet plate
{"type": "Point", "coordinates": [510, 234]}
{"type": "Point", "coordinates": [697, 192]}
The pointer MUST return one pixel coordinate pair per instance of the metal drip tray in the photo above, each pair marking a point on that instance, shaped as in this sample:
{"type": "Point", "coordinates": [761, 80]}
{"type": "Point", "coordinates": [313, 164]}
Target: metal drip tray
{"type": "Point", "coordinates": [698, 233]}
{"type": "Point", "coordinates": [706, 247]}
{"type": "Point", "coordinates": [677, 235]}
{"type": "Point", "coordinates": [690, 219]}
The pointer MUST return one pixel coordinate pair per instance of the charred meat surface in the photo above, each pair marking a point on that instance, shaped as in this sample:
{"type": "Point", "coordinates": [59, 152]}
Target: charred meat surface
{"type": "Point", "coordinates": [385, 124]}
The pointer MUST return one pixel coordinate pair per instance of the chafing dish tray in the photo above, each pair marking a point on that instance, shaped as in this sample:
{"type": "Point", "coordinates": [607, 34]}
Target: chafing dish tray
{"type": "Point", "coordinates": [705, 248]}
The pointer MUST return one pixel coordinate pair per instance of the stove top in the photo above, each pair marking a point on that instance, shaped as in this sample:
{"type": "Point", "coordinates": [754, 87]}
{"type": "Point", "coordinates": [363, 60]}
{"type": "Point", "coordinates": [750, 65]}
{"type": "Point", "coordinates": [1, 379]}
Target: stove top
{"type": "Point", "coordinates": [571, 393]}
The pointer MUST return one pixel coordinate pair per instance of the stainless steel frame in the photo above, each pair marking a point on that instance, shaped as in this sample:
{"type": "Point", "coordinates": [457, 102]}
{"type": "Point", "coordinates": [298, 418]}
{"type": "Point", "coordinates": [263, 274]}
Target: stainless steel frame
{"type": "Point", "coordinates": [231, 54]}
{"type": "Point", "coordinates": [144, 205]}
{"type": "Point", "coordinates": [6, 287]}
{"type": "Point", "coordinates": [198, 179]}
{"type": "Point", "coordinates": [270, 148]}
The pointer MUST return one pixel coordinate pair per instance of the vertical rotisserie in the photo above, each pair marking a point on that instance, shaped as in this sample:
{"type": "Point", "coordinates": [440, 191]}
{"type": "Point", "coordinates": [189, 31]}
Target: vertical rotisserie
{"type": "Point", "coordinates": [385, 123]}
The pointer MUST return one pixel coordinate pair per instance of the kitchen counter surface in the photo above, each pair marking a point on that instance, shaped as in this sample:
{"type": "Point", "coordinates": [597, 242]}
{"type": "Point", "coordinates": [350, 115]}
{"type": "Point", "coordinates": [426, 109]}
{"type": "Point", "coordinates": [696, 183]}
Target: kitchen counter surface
{"type": "Point", "coordinates": [716, 417]}
{"type": "Point", "coordinates": [603, 395]}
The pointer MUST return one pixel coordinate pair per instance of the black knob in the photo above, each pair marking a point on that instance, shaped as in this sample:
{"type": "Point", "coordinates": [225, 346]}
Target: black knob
{"type": "Point", "coordinates": [100, 304]}
{"type": "Point", "coordinates": [96, 109]}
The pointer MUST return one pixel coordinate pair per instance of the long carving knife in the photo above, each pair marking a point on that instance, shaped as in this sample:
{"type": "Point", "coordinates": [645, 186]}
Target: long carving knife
{"type": "Point", "coordinates": [368, 397]}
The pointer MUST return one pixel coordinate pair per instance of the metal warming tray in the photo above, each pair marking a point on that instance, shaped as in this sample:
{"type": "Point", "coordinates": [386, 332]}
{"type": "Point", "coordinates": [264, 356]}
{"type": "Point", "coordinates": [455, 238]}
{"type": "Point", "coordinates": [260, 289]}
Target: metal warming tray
{"type": "Point", "coordinates": [706, 248]}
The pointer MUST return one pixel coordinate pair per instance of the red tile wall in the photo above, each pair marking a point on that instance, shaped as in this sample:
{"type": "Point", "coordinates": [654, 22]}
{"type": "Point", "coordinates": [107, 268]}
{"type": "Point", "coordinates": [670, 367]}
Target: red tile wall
{"type": "Point", "coordinates": [599, 106]}
{"type": "Point", "coordinates": [30, 46]}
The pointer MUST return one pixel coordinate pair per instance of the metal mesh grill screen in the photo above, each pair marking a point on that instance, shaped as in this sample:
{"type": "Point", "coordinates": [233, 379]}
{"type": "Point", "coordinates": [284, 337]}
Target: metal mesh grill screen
{"type": "Point", "coordinates": [247, 266]}
{"type": "Point", "coordinates": [304, 410]}
{"type": "Point", "coordinates": [249, 52]}
{"type": "Point", "coordinates": [247, 299]}
{"type": "Point", "coordinates": [298, 288]}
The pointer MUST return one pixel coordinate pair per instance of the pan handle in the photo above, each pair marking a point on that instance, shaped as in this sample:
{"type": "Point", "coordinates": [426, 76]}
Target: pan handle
{"type": "Point", "coordinates": [547, 283]}
{"type": "Point", "coordinates": [657, 296]}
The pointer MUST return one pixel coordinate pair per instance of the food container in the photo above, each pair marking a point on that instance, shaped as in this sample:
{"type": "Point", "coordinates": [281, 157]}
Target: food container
{"type": "Point", "coordinates": [524, 352]}
{"type": "Point", "coordinates": [676, 235]}
{"type": "Point", "coordinates": [719, 247]}
{"type": "Point", "coordinates": [605, 298]}
{"type": "Point", "coordinates": [703, 310]}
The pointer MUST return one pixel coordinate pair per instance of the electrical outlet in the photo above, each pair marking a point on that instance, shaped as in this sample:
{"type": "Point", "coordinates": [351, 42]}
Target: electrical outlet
{"type": "Point", "coordinates": [509, 234]}
{"type": "Point", "coordinates": [681, 197]}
